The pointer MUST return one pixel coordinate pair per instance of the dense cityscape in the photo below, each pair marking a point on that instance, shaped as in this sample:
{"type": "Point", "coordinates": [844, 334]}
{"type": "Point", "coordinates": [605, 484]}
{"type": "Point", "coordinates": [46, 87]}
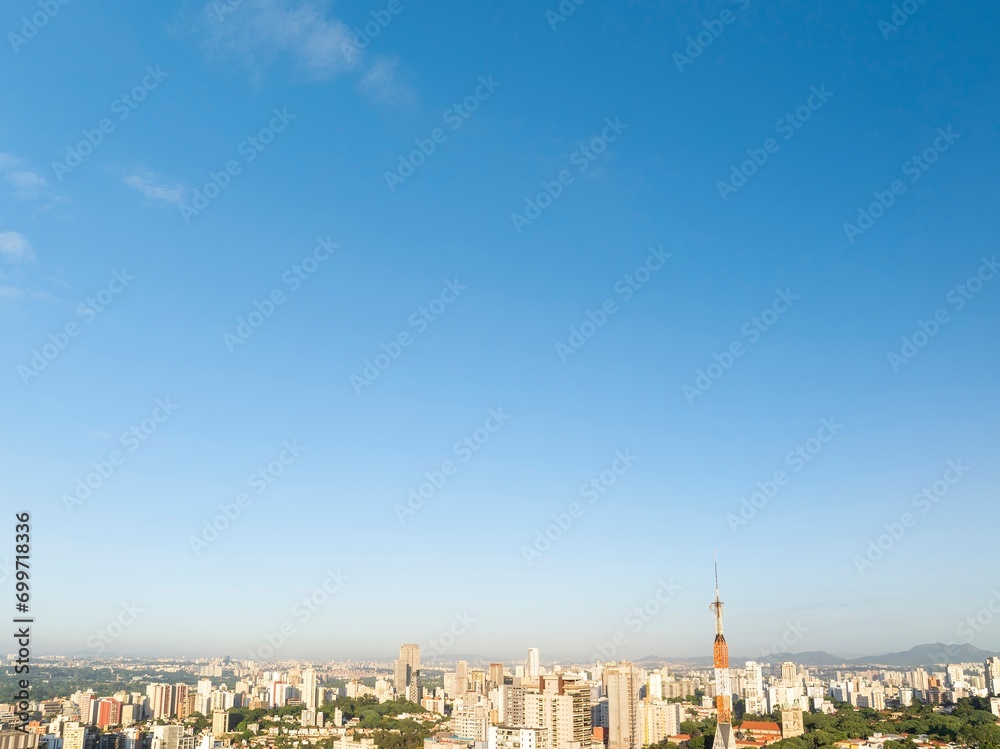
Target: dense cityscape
{"type": "Point", "coordinates": [207, 704]}
{"type": "Point", "coordinates": [531, 704]}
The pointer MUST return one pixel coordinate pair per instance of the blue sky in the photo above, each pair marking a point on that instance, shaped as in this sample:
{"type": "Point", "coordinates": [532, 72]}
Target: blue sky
{"type": "Point", "coordinates": [483, 111]}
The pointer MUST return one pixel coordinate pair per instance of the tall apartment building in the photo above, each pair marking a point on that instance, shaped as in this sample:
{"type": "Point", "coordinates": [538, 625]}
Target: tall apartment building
{"type": "Point", "coordinates": [477, 681]}
{"type": "Point", "coordinates": [471, 722]}
{"type": "Point", "coordinates": [86, 703]}
{"type": "Point", "coordinates": [599, 714]}
{"type": "Point", "coordinates": [166, 737]}
{"type": "Point", "coordinates": [654, 686]}
{"type": "Point", "coordinates": [993, 676]}
{"type": "Point", "coordinates": [183, 703]}
{"type": "Point", "coordinates": [511, 708]}
{"type": "Point", "coordinates": [74, 737]}
{"type": "Point", "coordinates": [789, 675]}
{"type": "Point", "coordinates": [566, 716]}
{"type": "Point", "coordinates": [534, 663]}
{"type": "Point", "coordinates": [461, 677]}
{"type": "Point", "coordinates": [753, 689]}
{"type": "Point", "coordinates": [496, 674]}
{"type": "Point", "coordinates": [623, 706]}
{"type": "Point", "coordinates": [406, 672]}
{"type": "Point", "coordinates": [919, 679]}
{"type": "Point", "coordinates": [109, 713]}
{"type": "Point", "coordinates": [161, 701]}
{"type": "Point", "coordinates": [279, 693]}
{"type": "Point", "coordinates": [954, 675]}
{"type": "Point", "coordinates": [511, 737]}
{"type": "Point", "coordinates": [309, 688]}
{"type": "Point", "coordinates": [220, 723]}
{"type": "Point", "coordinates": [220, 699]}
{"type": "Point", "coordinates": [659, 719]}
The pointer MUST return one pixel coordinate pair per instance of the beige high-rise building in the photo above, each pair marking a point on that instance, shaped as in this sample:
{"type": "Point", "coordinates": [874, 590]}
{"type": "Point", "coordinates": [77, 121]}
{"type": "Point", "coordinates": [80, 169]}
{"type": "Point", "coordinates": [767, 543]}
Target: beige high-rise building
{"type": "Point", "coordinates": [461, 677]}
{"type": "Point", "coordinates": [623, 684]}
{"type": "Point", "coordinates": [659, 719]}
{"type": "Point", "coordinates": [406, 672]}
{"type": "Point", "coordinates": [583, 727]}
{"type": "Point", "coordinates": [161, 700]}
{"type": "Point", "coordinates": [496, 674]}
{"type": "Point", "coordinates": [565, 716]}
{"type": "Point", "coordinates": [74, 737]}
{"type": "Point", "coordinates": [511, 706]}
{"type": "Point", "coordinates": [477, 681]}
{"type": "Point", "coordinates": [789, 673]}
{"type": "Point", "coordinates": [18, 740]}
{"type": "Point", "coordinates": [410, 653]}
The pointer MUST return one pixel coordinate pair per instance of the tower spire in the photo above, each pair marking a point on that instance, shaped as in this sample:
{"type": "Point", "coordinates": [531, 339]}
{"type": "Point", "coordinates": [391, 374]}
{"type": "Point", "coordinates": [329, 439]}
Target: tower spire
{"type": "Point", "coordinates": [724, 738]}
{"type": "Point", "coordinates": [718, 608]}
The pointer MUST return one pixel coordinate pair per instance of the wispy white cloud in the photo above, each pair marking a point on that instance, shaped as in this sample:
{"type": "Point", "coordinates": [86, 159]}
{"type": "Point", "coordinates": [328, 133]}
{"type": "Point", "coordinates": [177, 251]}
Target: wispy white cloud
{"type": "Point", "coordinates": [263, 32]}
{"type": "Point", "coordinates": [28, 185]}
{"type": "Point", "coordinates": [15, 247]}
{"type": "Point", "coordinates": [153, 187]}
{"type": "Point", "coordinates": [383, 82]}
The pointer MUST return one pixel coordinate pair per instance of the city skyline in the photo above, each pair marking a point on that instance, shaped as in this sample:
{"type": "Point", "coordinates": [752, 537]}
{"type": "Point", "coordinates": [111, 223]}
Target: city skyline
{"type": "Point", "coordinates": [525, 705]}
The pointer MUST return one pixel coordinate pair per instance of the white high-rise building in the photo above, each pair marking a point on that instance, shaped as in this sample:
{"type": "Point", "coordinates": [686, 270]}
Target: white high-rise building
{"type": "Point", "coordinates": [993, 676]}
{"type": "Point", "coordinates": [753, 689]}
{"type": "Point", "coordinates": [471, 722]}
{"type": "Point", "coordinates": [309, 688]}
{"type": "Point", "coordinates": [654, 687]}
{"type": "Point", "coordinates": [534, 663]}
{"type": "Point", "coordinates": [161, 704]}
{"type": "Point", "coordinates": [509, 737]}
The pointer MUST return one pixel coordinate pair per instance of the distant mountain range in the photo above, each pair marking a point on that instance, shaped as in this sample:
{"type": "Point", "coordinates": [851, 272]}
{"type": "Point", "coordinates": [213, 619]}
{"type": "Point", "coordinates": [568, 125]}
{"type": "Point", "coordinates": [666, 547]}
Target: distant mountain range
{"type": "Point", "coordinates": [921, 655]}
